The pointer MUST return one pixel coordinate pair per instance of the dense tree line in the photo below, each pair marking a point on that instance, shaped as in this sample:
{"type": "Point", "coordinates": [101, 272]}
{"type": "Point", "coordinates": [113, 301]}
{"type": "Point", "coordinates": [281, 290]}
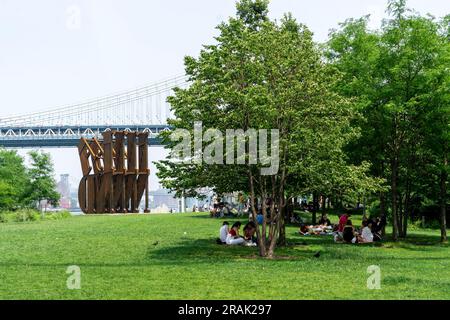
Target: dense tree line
{"type": "Point", "coordinates": [26, 187]}
{"type": "Point", "coordinates": [365, 115]}
{"type": "Point", "coordinates": [399, 79]}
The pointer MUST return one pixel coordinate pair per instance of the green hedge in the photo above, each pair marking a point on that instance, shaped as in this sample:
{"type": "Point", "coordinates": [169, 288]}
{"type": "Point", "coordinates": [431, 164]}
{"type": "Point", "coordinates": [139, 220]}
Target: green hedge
{"type": "Point", "coordinates": [28, 215]}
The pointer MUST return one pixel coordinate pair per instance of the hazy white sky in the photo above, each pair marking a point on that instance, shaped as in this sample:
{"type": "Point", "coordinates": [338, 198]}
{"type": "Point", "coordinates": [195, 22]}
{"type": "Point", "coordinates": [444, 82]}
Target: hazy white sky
{"type": "Point", "coordinates": [48, 58]}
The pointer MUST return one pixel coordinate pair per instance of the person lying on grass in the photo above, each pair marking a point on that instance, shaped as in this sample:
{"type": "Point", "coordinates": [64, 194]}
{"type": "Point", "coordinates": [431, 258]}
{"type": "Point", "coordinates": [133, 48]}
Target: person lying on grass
{"type": "Point", "coordinates": [306, 230]}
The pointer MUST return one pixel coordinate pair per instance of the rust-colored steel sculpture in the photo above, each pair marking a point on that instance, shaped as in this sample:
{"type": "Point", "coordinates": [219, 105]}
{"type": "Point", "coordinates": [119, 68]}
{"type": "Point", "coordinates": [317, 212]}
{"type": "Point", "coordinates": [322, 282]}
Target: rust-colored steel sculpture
{"type": "Point", "coordinates": [115, 172]}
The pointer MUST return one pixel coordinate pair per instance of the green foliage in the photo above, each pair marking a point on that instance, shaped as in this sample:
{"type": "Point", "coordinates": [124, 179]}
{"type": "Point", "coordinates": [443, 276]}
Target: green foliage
{"type": "Point", "coordinates": [264, 74]}
{"type": "Point", "coordinates": [429, 224]}
{"type": "Point", "coordinates": [399, 78]}
{"type": "Point", "coordinates": [25, 215]}
{"type": "Point", "coordinates": [29, 215]}
{"type": "Point", "coordinates": [252, 12]}
{"type": "Point", "coordinates": [21, 187]}
{"type": "Point", "coordinates": [58, 215]}
{"type": "Point", "coordinates": [13, 180]}
{"type": "Point", "coordinates": [42, 183]}
{"type": "Point", "coordinates": [3, 217]}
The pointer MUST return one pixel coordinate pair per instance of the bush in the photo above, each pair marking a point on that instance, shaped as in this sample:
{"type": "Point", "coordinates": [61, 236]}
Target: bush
{"type": "Point", "coordinates": [25, 215]}
{"type": "Point", "coordinates": [373, 209]}
{"type": "Point", "coordinates": [3, 217]}
{"type": "Point", "coordinates": [57, 215]}
{"type": "Point", "coordinates": [429, 224]}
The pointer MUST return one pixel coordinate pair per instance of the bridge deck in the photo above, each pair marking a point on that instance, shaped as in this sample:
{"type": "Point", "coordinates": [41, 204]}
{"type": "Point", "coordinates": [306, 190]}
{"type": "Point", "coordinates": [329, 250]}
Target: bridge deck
{"type": "Point", "coordinates": [67, 136]}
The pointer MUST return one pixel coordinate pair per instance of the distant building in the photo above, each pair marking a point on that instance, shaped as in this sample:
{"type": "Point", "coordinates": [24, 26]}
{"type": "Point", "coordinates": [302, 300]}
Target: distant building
{"type": "Point", "coordinates": [161, 200]}
{"type": "Point", "coordinates": [63, 188]}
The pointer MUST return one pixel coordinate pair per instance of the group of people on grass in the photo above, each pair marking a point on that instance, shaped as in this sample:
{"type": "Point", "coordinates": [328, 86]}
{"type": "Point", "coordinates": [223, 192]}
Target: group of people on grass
{"type": "Point", "coordinates": [323, 228]}
{"type": "Point", "coordinates": [220, 209]}
{"type": "Point", "coordinates": [231, 236]}
{"type": "Point", "coordinates": [370, 231]}
{"type": "Point", "coordinates": [344, 231]}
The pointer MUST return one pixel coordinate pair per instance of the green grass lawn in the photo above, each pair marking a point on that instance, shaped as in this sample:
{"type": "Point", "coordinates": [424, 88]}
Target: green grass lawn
{"type": "Point", "coordinates": [118, 260]}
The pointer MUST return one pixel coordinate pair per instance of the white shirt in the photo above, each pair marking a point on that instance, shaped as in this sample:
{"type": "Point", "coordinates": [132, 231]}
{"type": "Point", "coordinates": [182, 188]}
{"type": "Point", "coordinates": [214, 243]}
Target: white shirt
{"type": "Point", "coordinates": [223, 233]}
{"type": "Point", "coordinates": [367, 235]}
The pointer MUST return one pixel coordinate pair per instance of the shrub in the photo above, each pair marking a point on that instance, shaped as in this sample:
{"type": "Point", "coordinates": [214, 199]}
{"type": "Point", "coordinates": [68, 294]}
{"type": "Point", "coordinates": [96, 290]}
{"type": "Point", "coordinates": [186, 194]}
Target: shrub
{"type": "Point", "coordinates": [429, 224]}
{"type": "Point", "coordinates": [3, 217]}
{"type": "Point", "coordinates": [25, 215]}
{"type": "Point", "coordinates": [373, 209]}
{"type": "Point", "coordinates": [58, 215]}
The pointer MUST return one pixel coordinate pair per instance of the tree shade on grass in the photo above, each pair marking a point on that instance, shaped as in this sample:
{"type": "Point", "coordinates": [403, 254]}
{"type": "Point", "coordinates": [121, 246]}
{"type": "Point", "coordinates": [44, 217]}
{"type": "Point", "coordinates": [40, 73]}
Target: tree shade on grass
{"type": "Point", "coordinates": [119, 260]}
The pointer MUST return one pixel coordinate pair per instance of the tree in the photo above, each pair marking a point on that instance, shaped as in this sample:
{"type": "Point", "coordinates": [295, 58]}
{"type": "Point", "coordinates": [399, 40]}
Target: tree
{"type": "Point", "coordinates": [13, 180]}
{"type": "Point", "coordinates": [436, 125]}
{"type": "Point", "coordinates": [262, 74]}
{"type": "Point", "coordinates": [395, 74]}
{"type": "Point", "coordinates": [42, 183]}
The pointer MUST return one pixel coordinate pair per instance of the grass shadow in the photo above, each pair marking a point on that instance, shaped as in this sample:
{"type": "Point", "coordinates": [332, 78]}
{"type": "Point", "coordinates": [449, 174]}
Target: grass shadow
{"type": "Point", "coordinates": [208, 251]}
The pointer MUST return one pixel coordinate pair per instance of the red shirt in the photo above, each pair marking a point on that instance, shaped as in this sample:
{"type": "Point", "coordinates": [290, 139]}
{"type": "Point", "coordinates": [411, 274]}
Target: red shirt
{"type": "Point", "coordinates": [233, 233]}
{"type": "Point", "coordinates": [342, 222]}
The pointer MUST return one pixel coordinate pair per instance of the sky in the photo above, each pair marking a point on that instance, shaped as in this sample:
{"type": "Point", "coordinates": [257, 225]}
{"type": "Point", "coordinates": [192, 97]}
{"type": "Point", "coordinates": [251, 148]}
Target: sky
{"type": "Point", "coordinates": [57, 52]}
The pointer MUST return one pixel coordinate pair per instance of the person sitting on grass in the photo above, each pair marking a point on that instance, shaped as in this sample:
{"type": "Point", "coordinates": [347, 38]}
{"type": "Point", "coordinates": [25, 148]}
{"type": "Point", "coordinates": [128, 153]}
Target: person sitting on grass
{"type": "Point", "coordinates": [366, 235]}
{"type": "Point", "coordinates": [324, 221]}
{"type": "Point", "coordinates": [342, 223]}
{"type": "Point", "coordinates": [223, 233]}
{"type": "Point", "coordinates": [212, 212]}
{"type": "Point", "coordinates": [377, 228]}
{"type": "Point", "coordinates": [233, 237]}
{"type": "Point", "coordinates": [249, 233]}
{"type": "Point", "coordinates": [348, 233]}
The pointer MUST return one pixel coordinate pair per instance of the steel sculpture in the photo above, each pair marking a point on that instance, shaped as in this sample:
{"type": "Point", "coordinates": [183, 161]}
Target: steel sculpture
{"type": "Point", "coordinates": [115, 172]}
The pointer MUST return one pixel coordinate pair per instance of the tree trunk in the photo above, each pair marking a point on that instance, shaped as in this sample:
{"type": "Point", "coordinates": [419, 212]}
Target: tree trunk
{"type": "Point", "coordinates": [261, 234]}
{"type": "Point", "coordinates": [383, 210]}
{"type": "Point", "coordinates": [400, 214]}
{"type": "Point", "coordinates": [282, 226]}
{"type": "Point", "coordinates": [314, 213]}
{"type": "Point", "coordinates": [394, 167]}
{"type": "Point", "coordinates": [443, 201]}
{"type": "Point", "coordinates": [274, 239]}
{"type": "Point", "coordinates": [324, 204]}
{"type": "Point", "coordinates": [406, 215]}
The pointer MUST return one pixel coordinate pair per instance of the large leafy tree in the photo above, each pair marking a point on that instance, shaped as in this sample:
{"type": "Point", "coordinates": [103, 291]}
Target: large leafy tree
{"type": "Point", "coordinates": [397, 76]}
{"type": "Point", "coordinates": [263, 74]}
{"type": "Point", "coordinates": [13, 180]}
{"type": "Point", "coordinates": [435, 129]}
{"type": "Point", "coordinates": [42, 184]}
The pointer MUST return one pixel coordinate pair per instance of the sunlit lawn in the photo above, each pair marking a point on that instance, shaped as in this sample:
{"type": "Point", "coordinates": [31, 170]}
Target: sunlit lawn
{"type": "Point", "coordinates": [175, 257]}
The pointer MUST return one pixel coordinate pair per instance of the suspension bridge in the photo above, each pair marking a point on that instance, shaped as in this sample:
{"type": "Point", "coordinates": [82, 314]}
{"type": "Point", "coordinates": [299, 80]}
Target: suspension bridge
{"type": "Point", "coordinates": [141, 109]}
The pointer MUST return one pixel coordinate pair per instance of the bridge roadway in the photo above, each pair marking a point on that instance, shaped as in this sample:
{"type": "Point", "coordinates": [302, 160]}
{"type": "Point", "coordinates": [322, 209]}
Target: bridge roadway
{"type": "Point", "coordinates": [67, 136]}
